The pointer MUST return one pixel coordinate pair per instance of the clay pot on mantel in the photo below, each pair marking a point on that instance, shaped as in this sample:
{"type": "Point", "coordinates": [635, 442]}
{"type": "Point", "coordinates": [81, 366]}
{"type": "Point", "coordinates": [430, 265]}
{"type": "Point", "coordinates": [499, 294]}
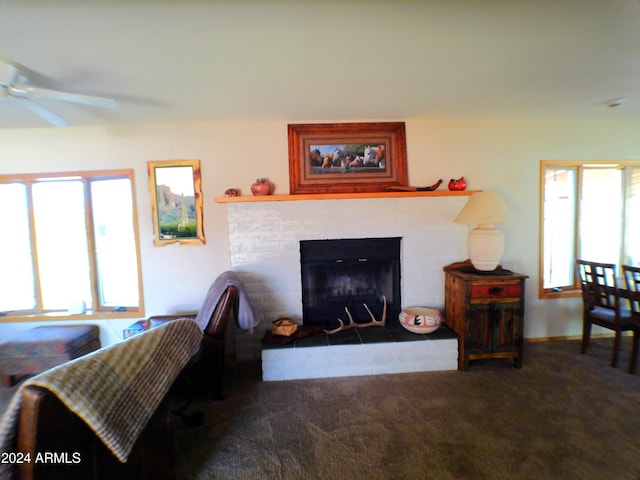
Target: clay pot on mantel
{"type": "Point", "coordinates": [262, 186]}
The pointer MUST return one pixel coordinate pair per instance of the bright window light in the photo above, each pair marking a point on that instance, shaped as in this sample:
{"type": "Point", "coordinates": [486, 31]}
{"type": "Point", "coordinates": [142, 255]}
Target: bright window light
{"type": "Point", "coordinates": [17, 290]}
{"type": "Point", "coordinates": [70, 239]}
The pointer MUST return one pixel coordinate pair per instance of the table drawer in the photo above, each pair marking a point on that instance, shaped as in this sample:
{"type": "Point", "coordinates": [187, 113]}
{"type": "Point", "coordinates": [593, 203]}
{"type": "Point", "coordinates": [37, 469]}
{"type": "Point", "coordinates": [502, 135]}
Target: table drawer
{"type": "Point", "coordinates": [499, 290]}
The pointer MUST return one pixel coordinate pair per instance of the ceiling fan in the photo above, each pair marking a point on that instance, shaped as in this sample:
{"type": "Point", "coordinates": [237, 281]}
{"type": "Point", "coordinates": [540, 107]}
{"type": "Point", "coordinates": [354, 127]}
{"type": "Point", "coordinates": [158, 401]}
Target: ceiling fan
{"type": "Point", "coordinates": [14, 80]}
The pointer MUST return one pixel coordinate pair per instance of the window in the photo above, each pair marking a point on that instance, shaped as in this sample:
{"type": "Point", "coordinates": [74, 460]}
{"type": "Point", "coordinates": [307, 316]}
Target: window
{"type": "Point", "coordinates": [589, 210]}
{"type": "Point", "coordinates": [70, 238]}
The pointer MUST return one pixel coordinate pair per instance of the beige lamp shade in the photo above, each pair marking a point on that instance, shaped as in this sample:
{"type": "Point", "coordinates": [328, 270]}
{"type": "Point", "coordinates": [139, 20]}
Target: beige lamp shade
{"type": "Point", "coordinates": [485, 243]}
{"type": "Point", "coordinates": [484, 207]}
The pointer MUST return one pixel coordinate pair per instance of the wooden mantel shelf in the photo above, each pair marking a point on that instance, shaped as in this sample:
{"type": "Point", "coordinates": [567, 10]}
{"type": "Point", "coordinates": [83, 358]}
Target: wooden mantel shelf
{"type": "Point", "coordinates": [335, 196]}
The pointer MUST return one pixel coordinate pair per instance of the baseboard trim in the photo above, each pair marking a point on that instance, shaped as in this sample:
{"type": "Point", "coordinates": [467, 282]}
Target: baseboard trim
{"type": "Point", "coordinates": [570, 337]}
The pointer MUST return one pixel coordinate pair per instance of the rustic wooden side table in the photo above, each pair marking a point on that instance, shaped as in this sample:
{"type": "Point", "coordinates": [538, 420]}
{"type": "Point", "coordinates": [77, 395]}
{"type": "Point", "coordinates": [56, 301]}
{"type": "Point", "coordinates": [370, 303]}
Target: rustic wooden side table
{"type": "Point", "coordinates": [486, 311]}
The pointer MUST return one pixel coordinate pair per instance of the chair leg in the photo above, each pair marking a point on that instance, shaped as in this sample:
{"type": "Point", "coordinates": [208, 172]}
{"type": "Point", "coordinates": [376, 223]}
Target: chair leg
{"type": "Point", "coordinates": [616, 348]}
{"type": "Point", "coordinates": [586, 336]}
{"type": "Point", "coordinates": [634, 352]}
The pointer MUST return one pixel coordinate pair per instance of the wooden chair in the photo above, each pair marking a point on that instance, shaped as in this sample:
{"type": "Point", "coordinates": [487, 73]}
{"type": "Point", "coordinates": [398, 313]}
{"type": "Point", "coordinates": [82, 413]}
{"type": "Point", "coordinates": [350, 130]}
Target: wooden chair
{"type": "Point", "coordinates": [602, 301]}
{"type": "Point", "coordinates": [206, 374]}
{"type": "Point", "coordinates": [632, 280]}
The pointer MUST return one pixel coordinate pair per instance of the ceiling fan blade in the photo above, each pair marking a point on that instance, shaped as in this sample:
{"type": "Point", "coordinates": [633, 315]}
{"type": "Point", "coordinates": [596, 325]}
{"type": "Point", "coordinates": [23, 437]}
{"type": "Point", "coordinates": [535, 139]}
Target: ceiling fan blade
{"type": "Point", "coordinates": [48, 115]}
{"type": "Point", "coordinates": [36, 92]}
{"type": "Point", "coordinates": [8, 74]}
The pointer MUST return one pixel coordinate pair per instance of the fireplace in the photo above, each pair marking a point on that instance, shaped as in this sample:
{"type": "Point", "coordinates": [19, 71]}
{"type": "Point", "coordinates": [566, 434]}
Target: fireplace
{"type": "Point", "coordinates": [264, 243]}
{"type": "Point", "coordinates": [350, 274]}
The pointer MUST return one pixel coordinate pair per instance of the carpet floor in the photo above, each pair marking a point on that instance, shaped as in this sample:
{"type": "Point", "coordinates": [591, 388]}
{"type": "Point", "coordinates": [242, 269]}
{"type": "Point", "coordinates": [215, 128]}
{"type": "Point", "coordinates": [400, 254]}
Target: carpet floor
{"type": "Point", "coordinates": [562, 416]}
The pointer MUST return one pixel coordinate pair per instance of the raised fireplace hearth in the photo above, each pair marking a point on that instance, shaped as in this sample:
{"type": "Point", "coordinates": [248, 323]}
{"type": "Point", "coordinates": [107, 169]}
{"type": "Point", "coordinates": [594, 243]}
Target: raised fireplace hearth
{"type": "Point", "coordinates": [361, 351]}
{"type": "Point", "coordinates": [350, 279]}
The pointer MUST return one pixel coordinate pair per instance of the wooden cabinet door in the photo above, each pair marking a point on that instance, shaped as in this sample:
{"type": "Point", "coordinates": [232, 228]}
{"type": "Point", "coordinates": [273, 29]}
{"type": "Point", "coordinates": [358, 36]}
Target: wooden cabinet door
{"type": "Point", "coordinates": [506, 327]}
{"type": "Point", "coordinates": [479, 329]}
{"type": "Point", "coordinates": [493, 328]}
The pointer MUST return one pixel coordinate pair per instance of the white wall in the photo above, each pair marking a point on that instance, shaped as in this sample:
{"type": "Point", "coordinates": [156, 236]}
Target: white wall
{"type": "Point", "coordinates": [498, 155]}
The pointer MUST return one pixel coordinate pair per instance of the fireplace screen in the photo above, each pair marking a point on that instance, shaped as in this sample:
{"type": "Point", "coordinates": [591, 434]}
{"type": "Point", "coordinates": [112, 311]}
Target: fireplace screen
{"type": "Point", "coordinates": [350, 273]}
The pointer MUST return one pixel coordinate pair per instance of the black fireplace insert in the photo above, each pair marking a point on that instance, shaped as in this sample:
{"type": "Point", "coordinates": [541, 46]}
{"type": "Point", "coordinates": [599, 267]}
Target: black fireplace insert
{"type": "Point", "coordinates": [349, 274]}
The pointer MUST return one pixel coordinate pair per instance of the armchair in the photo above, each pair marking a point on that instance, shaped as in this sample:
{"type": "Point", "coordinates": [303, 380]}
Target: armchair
{"type": "Point", "coordinates": [206, 372]}
{"type": "Point", "coordinates": [105, 414]}
{"type": "Point", "coordinates": [47, 425]}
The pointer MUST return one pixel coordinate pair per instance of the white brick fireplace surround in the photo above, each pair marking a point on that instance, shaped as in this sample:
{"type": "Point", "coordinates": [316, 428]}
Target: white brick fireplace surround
{"type": "Point", "coordinates": [265, 252]}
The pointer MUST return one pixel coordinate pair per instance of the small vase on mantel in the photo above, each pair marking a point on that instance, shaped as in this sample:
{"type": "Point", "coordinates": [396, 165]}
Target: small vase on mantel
{"type": "Point", "coordinates": [262, 186]}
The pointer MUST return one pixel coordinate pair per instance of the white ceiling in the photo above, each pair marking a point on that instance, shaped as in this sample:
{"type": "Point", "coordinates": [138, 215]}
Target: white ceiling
{"type": "Point", "coordinates": [302, 60]}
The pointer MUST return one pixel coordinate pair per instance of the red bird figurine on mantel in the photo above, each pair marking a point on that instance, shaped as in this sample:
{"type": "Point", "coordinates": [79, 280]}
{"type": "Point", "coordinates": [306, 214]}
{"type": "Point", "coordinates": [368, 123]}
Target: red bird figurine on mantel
{"type": "Point", "coordinates": [457, 185]}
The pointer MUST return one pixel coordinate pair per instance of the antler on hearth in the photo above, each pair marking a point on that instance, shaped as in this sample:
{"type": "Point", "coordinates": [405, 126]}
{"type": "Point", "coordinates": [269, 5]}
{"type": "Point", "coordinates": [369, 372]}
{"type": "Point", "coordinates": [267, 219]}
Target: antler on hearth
{"type": "Point", "coordinates": [352, 324]}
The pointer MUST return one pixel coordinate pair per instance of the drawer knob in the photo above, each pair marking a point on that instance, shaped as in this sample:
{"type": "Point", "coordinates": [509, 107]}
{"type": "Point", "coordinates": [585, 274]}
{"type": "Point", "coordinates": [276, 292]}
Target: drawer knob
{"type": "Point", "coordinates": [495, 290]}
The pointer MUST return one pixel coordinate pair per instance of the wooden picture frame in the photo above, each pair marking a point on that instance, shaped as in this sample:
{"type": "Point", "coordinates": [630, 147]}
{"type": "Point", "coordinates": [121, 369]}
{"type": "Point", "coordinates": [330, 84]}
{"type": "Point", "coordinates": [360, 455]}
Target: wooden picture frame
{"type": "Point", "coordinates": [346, 157]}
{"type": "Point", "coordinates": [176, 202]}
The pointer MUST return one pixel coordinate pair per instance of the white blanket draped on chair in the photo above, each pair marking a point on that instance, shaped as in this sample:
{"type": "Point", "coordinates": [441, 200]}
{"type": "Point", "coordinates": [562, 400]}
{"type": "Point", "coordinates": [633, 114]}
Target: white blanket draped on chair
{"type": "Point", "coordinates": [246, 318]}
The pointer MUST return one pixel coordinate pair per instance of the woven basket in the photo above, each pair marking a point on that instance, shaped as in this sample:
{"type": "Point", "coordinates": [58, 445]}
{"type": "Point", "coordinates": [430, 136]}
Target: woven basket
{"type": "Point", "coordinates": [284, 327]}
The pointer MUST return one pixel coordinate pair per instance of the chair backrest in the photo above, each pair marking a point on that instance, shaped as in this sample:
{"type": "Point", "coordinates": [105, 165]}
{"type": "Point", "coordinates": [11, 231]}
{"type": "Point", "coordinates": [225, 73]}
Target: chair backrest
{"type": "Point", "coordinates": [599, 284]}
{"type": "Point", "coordinates": [220, 316]}
{"type": "Point", "coordinates": [632, 279]}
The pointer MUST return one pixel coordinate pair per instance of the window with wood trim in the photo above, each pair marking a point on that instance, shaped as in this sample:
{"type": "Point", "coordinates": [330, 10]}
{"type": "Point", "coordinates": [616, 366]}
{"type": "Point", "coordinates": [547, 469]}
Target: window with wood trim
{"type": "Point", "coordinates": [588, 210]}
{"type": "Point", "coordinates": [70, 244]}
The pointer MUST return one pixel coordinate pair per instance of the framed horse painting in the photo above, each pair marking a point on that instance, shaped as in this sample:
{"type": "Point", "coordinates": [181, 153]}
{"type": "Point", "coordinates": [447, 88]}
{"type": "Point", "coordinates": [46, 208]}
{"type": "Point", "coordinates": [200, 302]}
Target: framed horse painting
{"type": "Point", "coordinates": [346, 157]}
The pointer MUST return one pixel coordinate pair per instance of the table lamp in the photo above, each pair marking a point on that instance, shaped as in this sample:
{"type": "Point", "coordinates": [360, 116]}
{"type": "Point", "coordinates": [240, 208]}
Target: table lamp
{"type": "Point", "coordinates": [485, 243]}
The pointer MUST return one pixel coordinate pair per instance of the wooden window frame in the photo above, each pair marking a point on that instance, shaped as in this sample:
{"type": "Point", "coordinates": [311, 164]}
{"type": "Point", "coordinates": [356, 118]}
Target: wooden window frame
{"type": "Point", "coordinates": [97, 312]}
{"type": "Point", "coordinates": [573, 290]}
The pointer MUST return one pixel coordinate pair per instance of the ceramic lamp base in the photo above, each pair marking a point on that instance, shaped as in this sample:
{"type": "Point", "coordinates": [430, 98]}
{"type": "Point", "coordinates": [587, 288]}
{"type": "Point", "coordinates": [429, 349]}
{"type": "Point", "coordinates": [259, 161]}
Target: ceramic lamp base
{"type": "Point", "coordinates": [485, 246]}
